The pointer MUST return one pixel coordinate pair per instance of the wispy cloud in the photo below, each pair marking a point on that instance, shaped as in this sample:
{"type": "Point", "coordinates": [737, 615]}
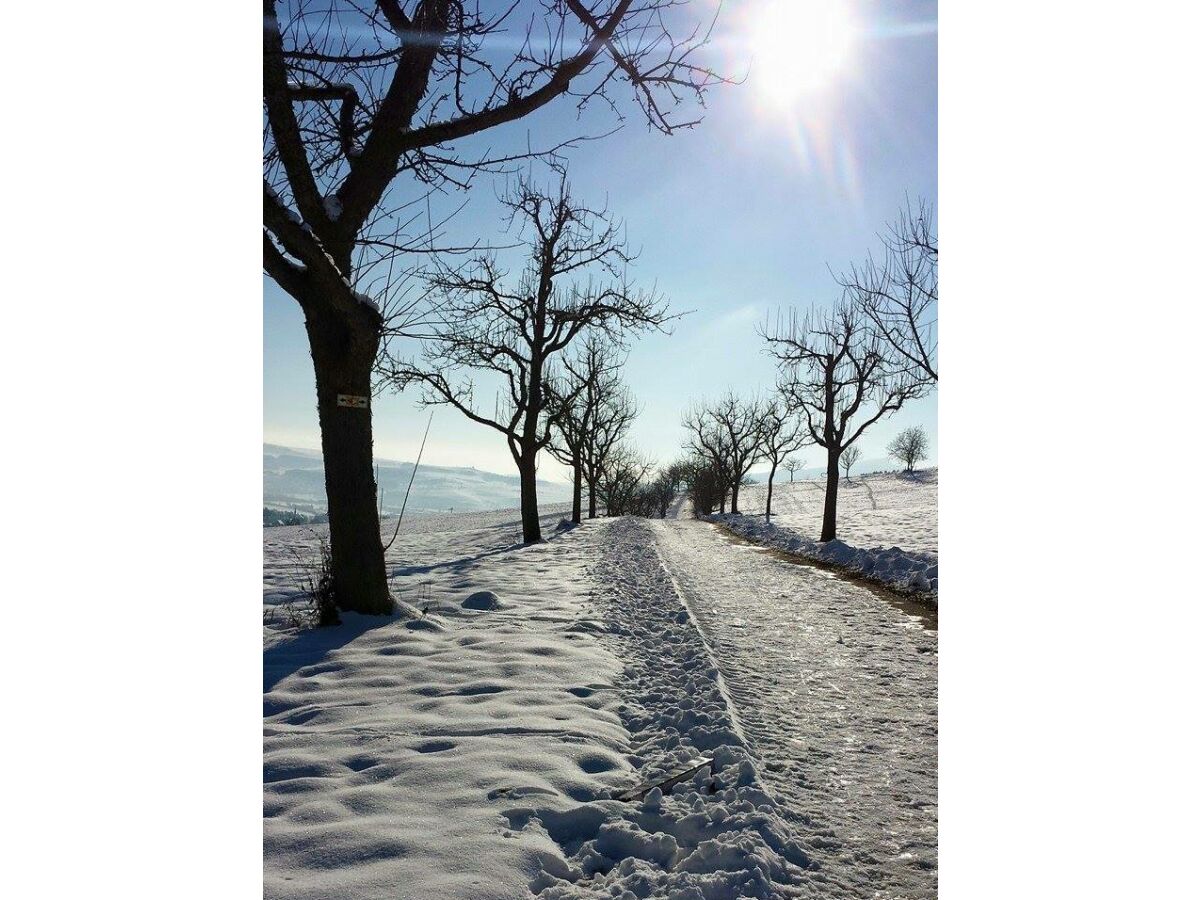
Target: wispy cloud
{"type": "Point", "coordinates": [742, 318]}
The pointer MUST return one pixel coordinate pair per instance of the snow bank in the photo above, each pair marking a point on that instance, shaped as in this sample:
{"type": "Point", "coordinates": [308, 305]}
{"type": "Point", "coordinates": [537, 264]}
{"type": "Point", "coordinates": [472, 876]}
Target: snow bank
{"type": "Point", "coordinates": [889, 522]}
{"type": "Point", "coordinates": [902, 570]}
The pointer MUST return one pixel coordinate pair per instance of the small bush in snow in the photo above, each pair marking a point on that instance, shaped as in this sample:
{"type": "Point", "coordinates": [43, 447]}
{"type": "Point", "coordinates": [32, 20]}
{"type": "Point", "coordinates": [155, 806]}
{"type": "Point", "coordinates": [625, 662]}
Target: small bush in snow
{"type": "Point", "coordinates": [314, 606]}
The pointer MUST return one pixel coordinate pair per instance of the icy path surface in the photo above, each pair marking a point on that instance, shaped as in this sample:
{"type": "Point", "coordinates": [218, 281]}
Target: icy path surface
{"type": "Point", "coordinates": [836, 693]}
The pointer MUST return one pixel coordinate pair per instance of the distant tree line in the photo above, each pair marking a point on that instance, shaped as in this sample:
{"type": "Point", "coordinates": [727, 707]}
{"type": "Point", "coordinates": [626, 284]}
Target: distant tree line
{"type": "Point", "coordinates": [276, 517]}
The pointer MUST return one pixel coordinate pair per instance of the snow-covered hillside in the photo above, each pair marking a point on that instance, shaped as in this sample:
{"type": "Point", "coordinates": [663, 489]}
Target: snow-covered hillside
{"type": "Point", "coordinates": [295, 479]}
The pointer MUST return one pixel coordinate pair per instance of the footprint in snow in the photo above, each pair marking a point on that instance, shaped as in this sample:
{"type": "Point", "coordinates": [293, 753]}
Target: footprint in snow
{"type": "Point", "coordinates": [435, 746]}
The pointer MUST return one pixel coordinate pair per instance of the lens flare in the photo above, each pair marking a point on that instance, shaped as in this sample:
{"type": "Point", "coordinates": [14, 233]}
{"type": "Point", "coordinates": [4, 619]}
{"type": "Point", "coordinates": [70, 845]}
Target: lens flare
{"type": "Point", "coordinates": [799, 46]}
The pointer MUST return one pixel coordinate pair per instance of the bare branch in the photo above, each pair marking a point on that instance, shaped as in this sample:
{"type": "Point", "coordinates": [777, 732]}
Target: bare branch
{"type": "Point", "coordinates": [899, 294]}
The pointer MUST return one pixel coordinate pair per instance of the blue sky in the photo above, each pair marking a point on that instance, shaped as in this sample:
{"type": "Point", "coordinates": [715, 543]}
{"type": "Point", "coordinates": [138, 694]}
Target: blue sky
{"type": "Point", "coordinates": [740, 217]}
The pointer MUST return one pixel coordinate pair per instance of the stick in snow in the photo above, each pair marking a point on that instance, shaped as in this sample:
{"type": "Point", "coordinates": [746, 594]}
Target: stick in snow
{"type": "Point", "coordinates": [666, 784]}
{"type": "Point", "coordinates": [409, 488]}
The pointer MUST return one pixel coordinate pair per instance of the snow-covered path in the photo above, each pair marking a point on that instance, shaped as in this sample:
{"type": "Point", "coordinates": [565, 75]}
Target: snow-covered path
{"type": "Point", "coordinates": [475, 752]}
{"type": "Point", "coordinates": [836, 691]}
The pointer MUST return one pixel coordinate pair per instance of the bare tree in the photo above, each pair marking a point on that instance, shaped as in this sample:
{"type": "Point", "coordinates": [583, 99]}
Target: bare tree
{"type": "Point", "coordinates": [575, 401]}
{"type": "Point", "coordinates": [898, 294]}
{"type": "Point", "coordinates": [704, 485]}
{"type": "Point", "coordinates": [360, 96]}
{"type": "Point", "coordinates": [782, 433]}
{"type": "Point", "coordinates": [741, 422]}
{"type": "Point", "coordinates": [729, 433]}
{"type": "Point", "coordinates": [615, 412]}
{"type": "Point", "coordinates": [621, 479]}
{"type": "Point", "coordinates": [841, 376]}
{"type": "Point", "coordinates": [850, 456]}
{"type": "Point", "coordinates": [909, 447]}
{"type": "Point", "coordinates": [709, 443]}
{"type": "Point", "coordinates": [518, 330]}
{"type": "Point", "coordinates": [792, 466]}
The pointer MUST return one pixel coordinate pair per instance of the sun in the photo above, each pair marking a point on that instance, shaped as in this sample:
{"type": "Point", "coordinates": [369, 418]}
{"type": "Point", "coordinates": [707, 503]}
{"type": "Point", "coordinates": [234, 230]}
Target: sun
{"type": "Point", "coordinates": [799, 46]}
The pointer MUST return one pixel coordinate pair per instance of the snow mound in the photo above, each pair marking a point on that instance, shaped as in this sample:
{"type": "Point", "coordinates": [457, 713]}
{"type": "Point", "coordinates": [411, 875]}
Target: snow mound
{"type": "Point", "coordinates": [907, 571]}
{"type": "Point", "coordinates": [484, 600]}
{"type": "Point", "coordinates": [391, 749]}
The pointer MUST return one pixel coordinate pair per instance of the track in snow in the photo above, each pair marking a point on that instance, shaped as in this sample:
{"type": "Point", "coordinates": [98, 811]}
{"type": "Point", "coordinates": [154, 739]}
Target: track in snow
{"type": "Point", "coordinates": [837, 694]}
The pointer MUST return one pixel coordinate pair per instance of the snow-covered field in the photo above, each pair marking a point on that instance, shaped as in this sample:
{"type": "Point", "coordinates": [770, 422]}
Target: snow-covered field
{"type": "Point", "coordinates": [477, 751]}
{"type": "Point", "coordinates": [887, 510]}
{"type": "Point", "coordinates": [887, 526]}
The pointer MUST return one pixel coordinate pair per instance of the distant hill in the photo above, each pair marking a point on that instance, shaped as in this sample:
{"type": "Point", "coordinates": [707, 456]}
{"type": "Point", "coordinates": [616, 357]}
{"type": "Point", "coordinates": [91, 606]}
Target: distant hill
{"type": "Point", "coordinates": [295, 479]}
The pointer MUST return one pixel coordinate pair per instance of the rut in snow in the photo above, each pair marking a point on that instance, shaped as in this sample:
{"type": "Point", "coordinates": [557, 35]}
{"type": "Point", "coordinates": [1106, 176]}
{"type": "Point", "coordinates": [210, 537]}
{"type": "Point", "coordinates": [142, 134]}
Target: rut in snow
{"type": "Point", "coordinates": [717, 834]}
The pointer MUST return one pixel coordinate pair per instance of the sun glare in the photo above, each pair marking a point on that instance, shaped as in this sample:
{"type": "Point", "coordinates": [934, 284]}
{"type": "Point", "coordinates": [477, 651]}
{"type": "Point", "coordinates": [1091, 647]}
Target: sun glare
{"type": "Point", "coordinates": [799, 46]}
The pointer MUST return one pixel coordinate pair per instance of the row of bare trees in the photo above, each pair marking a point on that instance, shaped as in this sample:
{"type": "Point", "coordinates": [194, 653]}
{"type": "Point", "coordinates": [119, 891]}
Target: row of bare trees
{"type": "Point", "coordinates": [593, 411]}
{"type": "Point", "coordinates": [637, 488]}
{"type": "Point", "coordinates": [370, 108]}
{"type": "Point", "coordinates": [727, 438]}
{"type": "Point", "coordinates": [841, 370]}
{"type": "Point", "coordinates": [553, 337]}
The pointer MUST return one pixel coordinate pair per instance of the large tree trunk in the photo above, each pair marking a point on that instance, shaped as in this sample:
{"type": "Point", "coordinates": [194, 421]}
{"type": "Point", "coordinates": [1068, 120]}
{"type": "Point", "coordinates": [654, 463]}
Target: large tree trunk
{"type": "Point", "coordinates": [591, 500]}
{"type": "Point", "coordinates": [734, 497]}
{"type": "Point", "coordinates": [577, 495]}
{"type": "Point", "coordinates": [343, 355]}
{"type": "Point", "coordinates": [531, 527]}
{"type": "Point", "coordinates": [770, 489]}
{"type": "Point", "coordinates": [829, 523]}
